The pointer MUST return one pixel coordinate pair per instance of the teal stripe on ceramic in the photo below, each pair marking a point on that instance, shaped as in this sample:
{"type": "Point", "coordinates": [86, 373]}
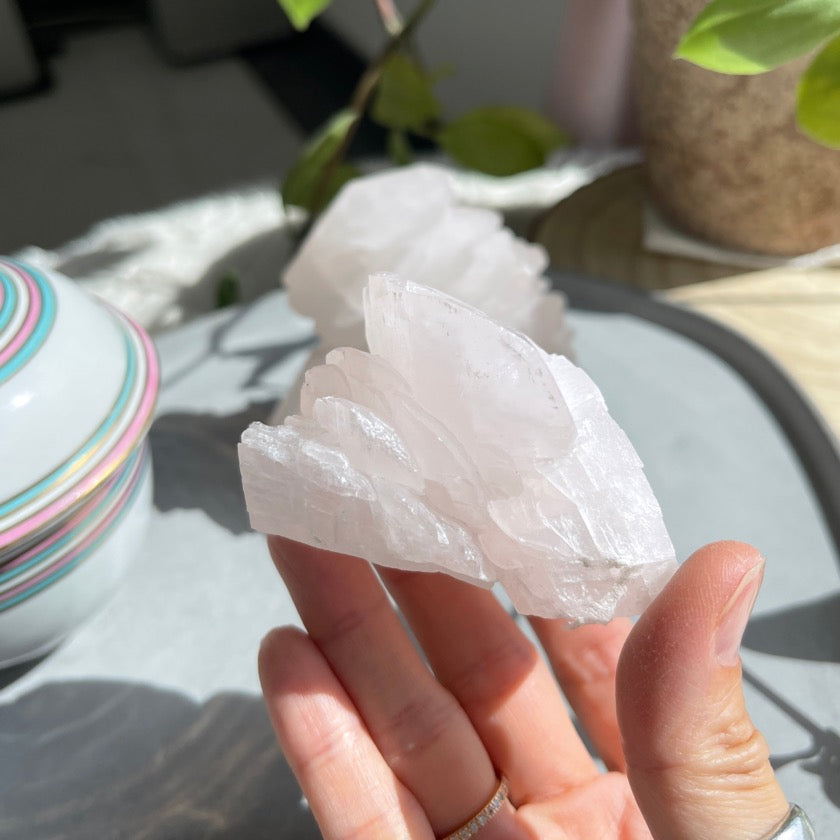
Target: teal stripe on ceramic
{"type": "Point", "coordinates": [5, 605]}
{"type": "Point", "coordinates": [42, 327]}
{"type": "Point", "coordinates": [9, 300]}
{"type": "Point", "coordinates": [131, 374]}
{"type": "Point", "coordinates": [95, 514]}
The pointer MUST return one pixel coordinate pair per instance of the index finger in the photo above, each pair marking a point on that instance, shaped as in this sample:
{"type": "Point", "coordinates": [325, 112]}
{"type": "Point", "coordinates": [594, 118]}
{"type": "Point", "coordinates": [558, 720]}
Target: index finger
{"type": "Point", "coordinates": [346, 781]}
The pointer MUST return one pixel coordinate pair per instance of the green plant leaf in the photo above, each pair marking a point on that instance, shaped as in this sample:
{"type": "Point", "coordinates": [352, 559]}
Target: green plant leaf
{"type": "Point", "coordinates": [744, 37]}
{"type": "Point", "coordinates": [304, 185]}
{"type": "Point", "coordinates": [302, 12]}
{"type": "Point", "coordinates": [501, 140]}
{"type": "Point", "coordinates": [399, 149]}
{"type": "Point", "coordinates": [228, 290]}
{"type": "Point", "coordinates": [342, 173]}
{"type": "Point", "coordinates": [404, 98]}
{"type": "Point", "coordinates": [818, 97]}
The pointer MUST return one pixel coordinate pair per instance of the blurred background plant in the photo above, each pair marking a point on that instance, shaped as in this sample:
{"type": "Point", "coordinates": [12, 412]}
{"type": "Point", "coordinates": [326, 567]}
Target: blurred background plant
{"type": "Point", "coordinates": [747, 37]}
{"type": "Point", "coordinates": [397, 91]}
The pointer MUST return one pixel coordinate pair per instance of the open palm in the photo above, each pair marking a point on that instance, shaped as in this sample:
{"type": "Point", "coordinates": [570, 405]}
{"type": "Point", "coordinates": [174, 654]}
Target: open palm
{"type": "Point", "coordinates": [394, 737]}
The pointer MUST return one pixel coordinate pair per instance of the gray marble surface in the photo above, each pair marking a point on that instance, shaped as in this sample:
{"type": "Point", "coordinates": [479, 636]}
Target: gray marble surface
{"type": "Point", "coordinates": [147, 722]}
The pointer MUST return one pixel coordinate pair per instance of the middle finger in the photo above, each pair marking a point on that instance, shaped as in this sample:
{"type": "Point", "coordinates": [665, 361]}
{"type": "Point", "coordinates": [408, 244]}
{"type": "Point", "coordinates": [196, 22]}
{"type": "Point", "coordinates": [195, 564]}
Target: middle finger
{"type": "Point", "coordinates": [506, 688]}
{"type": "Point", "coordinates": [584, 660]}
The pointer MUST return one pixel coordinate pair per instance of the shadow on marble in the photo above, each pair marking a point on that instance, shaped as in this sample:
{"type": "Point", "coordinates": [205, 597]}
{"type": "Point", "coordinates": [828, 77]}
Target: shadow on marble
{"type": "Point", "coordinates": [114, 759]}
{"type": "Point", "coordinates": [809, 631]}
{"type": "Point", "coordinates": [13, 673]}
{"type": "Point", "coordinates": [196, 465]}
{"type": "Point", "coordinates": [822, 758]}
{"type": "Point", "coordinates": [96, 259]}
{"type": "Point", "coordinates": [255, 263]}
{"type": "Point", "coordinates": [195, 457]}
{"type": "Point", "coordinates": [264, 354]}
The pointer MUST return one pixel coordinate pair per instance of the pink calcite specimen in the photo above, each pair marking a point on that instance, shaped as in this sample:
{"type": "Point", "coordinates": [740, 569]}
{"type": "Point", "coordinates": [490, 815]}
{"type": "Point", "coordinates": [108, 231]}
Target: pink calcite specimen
{"type": "Point", "coordinates": [456, 445]}
{"type": "Point", "coordinates": [408, 220]}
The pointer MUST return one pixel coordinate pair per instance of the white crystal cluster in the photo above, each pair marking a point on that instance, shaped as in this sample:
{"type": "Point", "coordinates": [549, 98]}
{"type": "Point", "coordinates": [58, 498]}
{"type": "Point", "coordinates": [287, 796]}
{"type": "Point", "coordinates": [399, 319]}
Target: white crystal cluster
{"type": "Point", "coordinates": [458, 446]}
{"type": "Point", "coordinates": [408, 221]}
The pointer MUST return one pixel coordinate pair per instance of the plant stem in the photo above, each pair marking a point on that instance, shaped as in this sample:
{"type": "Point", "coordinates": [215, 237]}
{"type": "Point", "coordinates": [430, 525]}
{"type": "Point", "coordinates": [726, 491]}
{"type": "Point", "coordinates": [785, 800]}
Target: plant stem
{"type": "Point", "coordinates": [365, 88]}
{"type": "Point", "coordinates": [390, 17]}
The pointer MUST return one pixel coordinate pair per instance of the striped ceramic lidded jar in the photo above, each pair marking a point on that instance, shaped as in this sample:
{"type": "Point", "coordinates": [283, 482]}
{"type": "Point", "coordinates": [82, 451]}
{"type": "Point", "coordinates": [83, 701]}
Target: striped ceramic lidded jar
{"type": "Point", "coordinates": [78, 386]}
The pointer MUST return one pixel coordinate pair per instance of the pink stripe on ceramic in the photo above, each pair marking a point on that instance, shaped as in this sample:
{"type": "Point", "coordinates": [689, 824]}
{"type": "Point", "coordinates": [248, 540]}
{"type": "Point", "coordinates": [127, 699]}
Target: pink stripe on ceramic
{"type": "Point", "coordinates": [74, 522]}
{"type": "Point", "coordinates": [119, 453]}
{"type": "Point", "coordinates": [29, 323]}
{"type": "Point", "coordinates": [11, 329]}
{"type": "Point", "coordinates": [147, 403]}
{"type": "Point", "coordinates": [103, 524]}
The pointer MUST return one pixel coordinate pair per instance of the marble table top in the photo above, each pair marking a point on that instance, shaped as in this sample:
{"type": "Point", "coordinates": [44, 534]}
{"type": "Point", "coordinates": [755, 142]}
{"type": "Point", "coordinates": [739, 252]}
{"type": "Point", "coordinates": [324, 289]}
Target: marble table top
{"type": "Point", "coordinates": [147, 722]}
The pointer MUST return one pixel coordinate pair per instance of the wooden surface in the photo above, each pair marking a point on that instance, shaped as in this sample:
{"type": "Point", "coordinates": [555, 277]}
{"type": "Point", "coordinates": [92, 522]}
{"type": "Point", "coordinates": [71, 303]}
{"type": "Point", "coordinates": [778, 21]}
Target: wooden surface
{"type": "Point", "coordinates": [792, 314]}
{"type": "Point", "coordinates": [119, 760]}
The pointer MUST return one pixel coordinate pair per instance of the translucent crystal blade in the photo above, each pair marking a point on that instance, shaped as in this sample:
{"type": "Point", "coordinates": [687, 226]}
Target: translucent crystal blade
{"type": "Point", "coordinates": [459, 446]}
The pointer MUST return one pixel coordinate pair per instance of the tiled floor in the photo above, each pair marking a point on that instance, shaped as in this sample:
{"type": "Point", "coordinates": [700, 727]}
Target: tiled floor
{"type": "Point", "coordinates": [121, 130]}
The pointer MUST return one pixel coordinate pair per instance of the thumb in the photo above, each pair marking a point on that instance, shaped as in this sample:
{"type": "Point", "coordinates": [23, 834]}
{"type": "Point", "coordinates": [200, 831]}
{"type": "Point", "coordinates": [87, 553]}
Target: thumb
{"type": "Point", "coordinates": [697, 765]}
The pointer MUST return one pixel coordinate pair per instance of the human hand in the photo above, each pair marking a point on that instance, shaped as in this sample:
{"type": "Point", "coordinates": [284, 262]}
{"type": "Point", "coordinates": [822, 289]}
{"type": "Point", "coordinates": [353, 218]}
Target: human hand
{"type": "Point", "coordinates": [385, 747]}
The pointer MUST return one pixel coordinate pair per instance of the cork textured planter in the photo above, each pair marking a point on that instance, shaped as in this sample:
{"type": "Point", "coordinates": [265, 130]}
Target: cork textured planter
{"type": "Point", "coordinates": [724, 158]}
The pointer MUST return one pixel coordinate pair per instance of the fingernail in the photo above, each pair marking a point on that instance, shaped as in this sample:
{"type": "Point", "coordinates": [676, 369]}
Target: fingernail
{"type": "Point", "coordinates": [735, 616]}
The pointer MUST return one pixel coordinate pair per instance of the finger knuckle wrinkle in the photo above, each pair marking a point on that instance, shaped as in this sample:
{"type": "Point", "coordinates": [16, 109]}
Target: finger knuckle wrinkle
{"type": "Point", "coordinates": [596, 660]}
{"type": "Point", "coordinates": [496, 671]}
{"type": "Point", "coordinates": [745, 753]}
{"type": "Point", "coordinates": [332, 744]}
{"type": "Point", "coordinates": [417, 727]}
{"type": "Point", "coordinates": [737, 751]}
{"type": "Point", "coordinates": [350, 622]}
{"type": "Point", "coordinates": [736, 757]}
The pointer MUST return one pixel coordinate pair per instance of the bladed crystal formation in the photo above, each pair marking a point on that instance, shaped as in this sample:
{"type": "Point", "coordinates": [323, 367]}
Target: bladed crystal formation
{"type": "Point", "coordinates": [408, 221]}
{"type": "Point", "coordinates": [456, 445]}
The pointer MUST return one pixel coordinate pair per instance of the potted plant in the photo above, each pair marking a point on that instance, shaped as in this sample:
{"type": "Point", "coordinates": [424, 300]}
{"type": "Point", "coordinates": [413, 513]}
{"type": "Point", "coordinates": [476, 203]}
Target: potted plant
{"type": "Point", "coordinates": [743, 156]}
{"type": "Point", "coordinates": [397, 91]}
